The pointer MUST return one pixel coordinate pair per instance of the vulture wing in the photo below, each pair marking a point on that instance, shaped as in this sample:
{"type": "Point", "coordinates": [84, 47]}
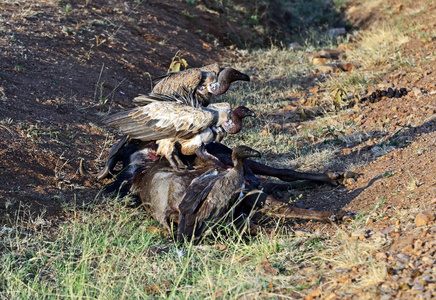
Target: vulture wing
{"type": "Point", "coordinates": [187, 97]}
{"type": "Point", "coordinates": [161, 120]}
{"type": "Point", "coordinates": [198, 190]}
{"type": "Point", "coordinates": [194, 207]}
{"type": "Point", "coordinates": [211, 68]}
{"type": "Point", "coordinates": [178, 81]}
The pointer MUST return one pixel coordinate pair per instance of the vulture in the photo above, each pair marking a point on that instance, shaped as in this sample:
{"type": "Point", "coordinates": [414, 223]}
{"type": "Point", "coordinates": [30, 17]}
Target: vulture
{"type": "Point", "coordinates": [161, 189]}
{"type": "Point", "coordinates": [176, 126]}
{"type": "Point", "coordinates": [205, 82]}
{"type": "Point", "coordinates": [208, 197]}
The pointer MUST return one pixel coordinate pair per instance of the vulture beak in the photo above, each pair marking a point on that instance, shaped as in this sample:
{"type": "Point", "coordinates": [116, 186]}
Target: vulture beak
{"type": "Point", "coordinates": [252, 114]}
{"type": "Point", "coordinates": [243, 77]}
{"type": "Point", "coordinates": [256, 154]}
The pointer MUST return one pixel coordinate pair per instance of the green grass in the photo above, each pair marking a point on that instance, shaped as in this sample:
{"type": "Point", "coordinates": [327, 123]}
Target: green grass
{"type": "Point", "coordinates": [104, 254]}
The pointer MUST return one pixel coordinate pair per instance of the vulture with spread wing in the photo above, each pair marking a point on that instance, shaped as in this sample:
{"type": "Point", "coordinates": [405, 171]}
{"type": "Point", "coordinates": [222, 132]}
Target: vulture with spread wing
{"type": "Point", "coordinates": [208, 197]}
{"type": "Point", "coordinates": [173, 125]}
{"type": "Point", "coordinates": [205, 82]}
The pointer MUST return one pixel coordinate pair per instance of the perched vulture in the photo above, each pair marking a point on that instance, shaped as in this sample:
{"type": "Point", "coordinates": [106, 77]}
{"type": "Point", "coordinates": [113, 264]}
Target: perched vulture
{"type": "Point", "coordinates": [205, 82]}
{"type": "Point", "coordinates": [208, 197]}
{"type": "Point", "coordinates": [172, 124]}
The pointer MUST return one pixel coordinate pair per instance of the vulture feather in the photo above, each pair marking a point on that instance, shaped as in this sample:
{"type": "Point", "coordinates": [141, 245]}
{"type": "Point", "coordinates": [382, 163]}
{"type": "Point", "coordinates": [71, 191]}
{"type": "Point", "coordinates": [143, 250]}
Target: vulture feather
{"type": "Point", "coordinates": [173, 124]}
{"type": "Point", "coordinates": [208, 197]}
{"type": "Point", "coordinates": [205, 82]}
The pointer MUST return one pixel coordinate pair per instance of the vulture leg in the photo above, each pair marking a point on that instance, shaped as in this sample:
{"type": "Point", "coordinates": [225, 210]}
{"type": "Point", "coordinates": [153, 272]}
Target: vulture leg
{"type": "Point", "coordinates": [256, 168]}
{"type": "Point", "coordinates": [288, 174]}
{"type": "Point", "coordinates": [179, 162]}
{"type": "Point", "coordinates": [271, 207]}
{"type": "Point", "coordinates": [175, 162]}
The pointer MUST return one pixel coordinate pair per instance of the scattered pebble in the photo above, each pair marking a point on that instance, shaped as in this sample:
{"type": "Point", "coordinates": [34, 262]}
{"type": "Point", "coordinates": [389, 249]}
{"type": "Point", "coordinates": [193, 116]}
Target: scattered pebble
{"type": "Point", "coordinates": [424, 218]}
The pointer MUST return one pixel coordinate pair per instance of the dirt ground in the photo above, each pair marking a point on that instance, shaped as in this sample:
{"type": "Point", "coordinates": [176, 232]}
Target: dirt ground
{"type": "Point", "coordinates": [63, 66]}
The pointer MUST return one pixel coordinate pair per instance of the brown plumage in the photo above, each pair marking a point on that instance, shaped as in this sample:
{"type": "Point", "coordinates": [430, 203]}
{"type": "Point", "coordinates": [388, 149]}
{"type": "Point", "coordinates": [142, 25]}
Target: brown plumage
{"type": "Point", "coordinates": [205, 82]}
{"type": "Point", "coordinates": [172, 124]}
{"type": "Point", "coordinates": [232, 126]}
{"type": "Point", "coordinates": [208, 197]}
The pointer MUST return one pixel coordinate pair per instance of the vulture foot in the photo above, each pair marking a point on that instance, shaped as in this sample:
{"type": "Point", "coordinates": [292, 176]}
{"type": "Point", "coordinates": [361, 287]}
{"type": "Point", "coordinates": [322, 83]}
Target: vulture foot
{"type": "Point", "coordinates": [342, 217]}
{"type": "Point", "coordinates": [341, 178]}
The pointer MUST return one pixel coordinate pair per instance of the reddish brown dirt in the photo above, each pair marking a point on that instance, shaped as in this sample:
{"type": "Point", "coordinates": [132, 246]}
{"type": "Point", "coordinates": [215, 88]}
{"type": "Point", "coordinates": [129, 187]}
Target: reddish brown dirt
{"type": "Point", "coordinates": [56, 66]}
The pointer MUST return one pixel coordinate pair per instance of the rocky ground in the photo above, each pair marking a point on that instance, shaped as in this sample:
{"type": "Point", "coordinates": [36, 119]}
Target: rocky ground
{"type": "Point", "coordinates": [63, 66]}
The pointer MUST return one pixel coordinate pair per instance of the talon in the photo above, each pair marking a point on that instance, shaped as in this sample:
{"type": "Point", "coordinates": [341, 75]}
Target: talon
{"type": "Point", "coordinates": [349, 216]}
{"type": "Point", "coordinates": [334, 176]}
{"type": "Point", "coordinates": [333, 218]}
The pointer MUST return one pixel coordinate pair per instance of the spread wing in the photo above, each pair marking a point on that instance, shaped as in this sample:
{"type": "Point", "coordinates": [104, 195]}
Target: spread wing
{"type": "Point", "coordinates": [161, 120]}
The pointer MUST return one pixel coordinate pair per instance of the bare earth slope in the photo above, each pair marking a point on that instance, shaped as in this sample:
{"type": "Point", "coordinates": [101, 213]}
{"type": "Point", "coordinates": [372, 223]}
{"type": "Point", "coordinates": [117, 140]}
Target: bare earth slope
{"type": "Point", "coordinates": [63, 66]}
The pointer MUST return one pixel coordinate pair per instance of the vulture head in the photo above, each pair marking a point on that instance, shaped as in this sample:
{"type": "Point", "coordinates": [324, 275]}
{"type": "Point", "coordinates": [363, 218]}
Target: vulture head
{"type": "Point", "coordinates": [241, 152]}
{"type": "Point", "coordinates": [242, 112]}
{"type": "Point", "coordinates": [234, 125]}
{"type": "Point", "coordinates": [225, 77]}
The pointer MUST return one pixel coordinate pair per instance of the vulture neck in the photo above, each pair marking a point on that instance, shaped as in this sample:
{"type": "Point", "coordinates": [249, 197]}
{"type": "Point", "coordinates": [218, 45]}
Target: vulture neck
{"type": "Point", "coordinates": [234, 125]}
{"type": "Point", "coordinates": [223, 82]}
{"type": "Point", "coordinates": [238, 164]}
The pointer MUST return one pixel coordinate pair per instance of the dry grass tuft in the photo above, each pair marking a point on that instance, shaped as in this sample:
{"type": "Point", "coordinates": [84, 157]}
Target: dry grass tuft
{"type": "Point", "coordinates": [375, 47]}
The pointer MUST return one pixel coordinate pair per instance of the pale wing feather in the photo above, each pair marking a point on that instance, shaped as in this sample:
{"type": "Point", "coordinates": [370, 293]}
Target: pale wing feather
{"type": "Point", "coordinates": [160, 120]}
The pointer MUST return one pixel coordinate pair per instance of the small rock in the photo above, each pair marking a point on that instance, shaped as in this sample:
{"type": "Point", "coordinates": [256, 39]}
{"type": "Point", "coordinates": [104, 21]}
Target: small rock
{"type": "Point", "coordinates": [361, 233]}
{"type": "Point", "coordinates": [431, 286]}
{"type": "Point", "coordinates": [328, 68]}
{"type": "Point", "coordinates": [417, 288]}
{"type": "Point", "coordinates": [424, 218]}
{"type": "Point", "coordinates": [417, 91]}
{"type": "Point", "coordinates": [335, 32]}
{"type": "Point", "coordinates": [417, 245]}
{"type": "Point", "coordinates": [428, 261]}
{"type": "Point", "coordinates": [381, 255]}
{"type": "Point", "coordinates": [386, 297]}
{"type": "Point", "coordinates": [312, 294]}
{"type": "Point", "coordinates": [403, 256]}
{"type": "Point", "coordinates": [294, 46]}
{"type": "Point", "coordinates": [351, 181]}
{"type": "Point", "coordinates": [347, 67]}
{"type": "Point", "coordinates": [331, 296]}
{"type": "Point", "coordinates": [319, 61]}
{"type": "Point", "coordinates": [300, 232]}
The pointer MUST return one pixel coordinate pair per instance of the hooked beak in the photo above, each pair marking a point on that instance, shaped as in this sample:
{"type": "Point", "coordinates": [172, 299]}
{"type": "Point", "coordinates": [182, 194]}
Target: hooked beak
{"type": "Point", "coordinates": [244, 77]}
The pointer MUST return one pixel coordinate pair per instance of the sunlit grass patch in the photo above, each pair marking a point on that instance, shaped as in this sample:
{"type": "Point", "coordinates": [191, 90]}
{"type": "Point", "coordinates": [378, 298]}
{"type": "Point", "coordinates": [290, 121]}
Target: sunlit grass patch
{"type": "Point", "coordinates": [375, 47]}
{"type": "Point", "coordinates": [106, 253]}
